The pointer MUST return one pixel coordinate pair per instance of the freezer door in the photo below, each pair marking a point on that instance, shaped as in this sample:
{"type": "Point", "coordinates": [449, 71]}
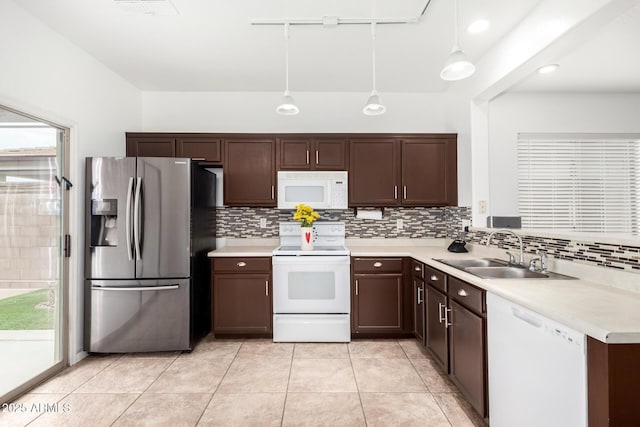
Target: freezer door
{"type": "Point", "coordinates": [108, 218]}
{"type": "Point", "coordinates": [139, 315]}
{"type": "Point", "coordinates": [162, 229]}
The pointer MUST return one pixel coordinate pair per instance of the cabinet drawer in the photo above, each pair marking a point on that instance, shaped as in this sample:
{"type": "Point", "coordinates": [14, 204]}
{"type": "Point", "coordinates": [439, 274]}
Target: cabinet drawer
{"type": "Point", "coordinates": [467, 295]}
{"type": "Point", "coordinates": [435, 278]}
{"type": "Point", "coordinates": [377, 265]}
{"type": "Point", "coordinates": [242, 265]}
{"type": "Point", "coordinates": [417, 269]}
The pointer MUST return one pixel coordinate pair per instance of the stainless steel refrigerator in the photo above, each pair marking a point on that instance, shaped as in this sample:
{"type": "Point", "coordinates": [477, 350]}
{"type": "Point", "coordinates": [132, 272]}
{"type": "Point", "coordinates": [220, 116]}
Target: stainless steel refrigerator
{"type": "Point", "coordinates": [149, 225]}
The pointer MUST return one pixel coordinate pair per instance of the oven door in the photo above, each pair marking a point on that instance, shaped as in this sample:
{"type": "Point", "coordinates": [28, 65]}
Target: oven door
{"type": "Point", "coordinates": [311, 284]}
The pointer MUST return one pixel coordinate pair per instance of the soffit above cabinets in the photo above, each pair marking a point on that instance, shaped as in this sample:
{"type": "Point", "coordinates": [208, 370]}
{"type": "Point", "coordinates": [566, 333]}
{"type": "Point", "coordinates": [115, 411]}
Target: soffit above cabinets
{"type": "Point", "coordinates": [211, 45]}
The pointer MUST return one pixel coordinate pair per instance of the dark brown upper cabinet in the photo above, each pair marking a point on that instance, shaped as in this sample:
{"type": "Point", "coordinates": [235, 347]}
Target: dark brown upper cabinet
{"type": "Point", "coordinates": [429, 172]}
{"type": "Point", "coordinates": [374, 172]}
{"type": "Point", "coordinates": [249, 172]}
{"type": "Point", "coordinates": [307, 153]}
{"type": "Point", "coordinates": [200, 148]}
{"type": "Point", "coordinates": [150, 146]}
{"type": "Point", "coordinates": [404, 171]}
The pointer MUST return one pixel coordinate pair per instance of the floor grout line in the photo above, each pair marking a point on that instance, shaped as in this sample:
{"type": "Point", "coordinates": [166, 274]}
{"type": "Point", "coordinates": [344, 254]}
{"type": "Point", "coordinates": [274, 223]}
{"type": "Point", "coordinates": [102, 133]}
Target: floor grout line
{"type": "Point", "coordinates": [286, 392]}
{"type": "Point", "coordinates": [218, 386]}
{"type": "Point", "coordinates": [355, 379]}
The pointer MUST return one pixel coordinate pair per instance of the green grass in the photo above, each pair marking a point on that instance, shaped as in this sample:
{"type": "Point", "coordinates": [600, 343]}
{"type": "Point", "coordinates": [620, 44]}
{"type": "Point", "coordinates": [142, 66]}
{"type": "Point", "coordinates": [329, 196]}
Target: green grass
{"type": "Point", "coordinates": [20, 312]}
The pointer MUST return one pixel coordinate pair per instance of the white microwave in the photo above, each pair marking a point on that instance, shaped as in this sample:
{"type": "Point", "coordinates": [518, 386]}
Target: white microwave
{"type": "Point", "coordinates": [318, 189]}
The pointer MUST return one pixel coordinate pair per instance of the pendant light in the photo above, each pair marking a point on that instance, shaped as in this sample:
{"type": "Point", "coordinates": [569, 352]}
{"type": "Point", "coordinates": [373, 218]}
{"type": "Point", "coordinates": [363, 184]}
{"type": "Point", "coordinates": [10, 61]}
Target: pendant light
{"type": "Point", "coordinates": [457, 67]}
{"type": "Point", "coordinates": [288, 106]}
{"type": "Point", "coordinates": [374, 106]}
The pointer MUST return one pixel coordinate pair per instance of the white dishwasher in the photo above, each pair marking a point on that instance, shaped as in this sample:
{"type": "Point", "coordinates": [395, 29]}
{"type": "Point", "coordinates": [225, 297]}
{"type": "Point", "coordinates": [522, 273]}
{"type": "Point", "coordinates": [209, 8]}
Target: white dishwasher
{"type": "Point", "coordinates": [537, 369]}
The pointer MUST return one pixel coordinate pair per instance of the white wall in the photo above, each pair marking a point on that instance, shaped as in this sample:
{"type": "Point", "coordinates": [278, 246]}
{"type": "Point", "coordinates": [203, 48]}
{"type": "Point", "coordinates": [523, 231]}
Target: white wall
{"type": "Point", "coordinates": [43, 74]}
{"type": "Point", "coordinates": [513, 113]}
{"type": "Point", "coordinates": [319, 112]}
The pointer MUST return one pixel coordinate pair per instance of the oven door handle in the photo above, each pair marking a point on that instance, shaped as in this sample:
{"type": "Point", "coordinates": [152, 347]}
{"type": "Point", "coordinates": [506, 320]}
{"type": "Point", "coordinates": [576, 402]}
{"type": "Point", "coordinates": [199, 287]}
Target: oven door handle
{"type": "Point", "coordinates": [317, 261]}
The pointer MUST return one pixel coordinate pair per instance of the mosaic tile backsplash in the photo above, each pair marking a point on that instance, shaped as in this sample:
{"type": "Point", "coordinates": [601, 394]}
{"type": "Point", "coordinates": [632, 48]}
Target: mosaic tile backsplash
{"type": "Point", "coordinates": [429, 223]}
{"type": "Point", "coordinates": [417, 222]}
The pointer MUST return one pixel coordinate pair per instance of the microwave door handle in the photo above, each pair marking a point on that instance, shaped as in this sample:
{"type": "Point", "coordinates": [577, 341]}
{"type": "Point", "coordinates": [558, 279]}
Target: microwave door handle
{"type": "Point", "coordinates": [127, 220]}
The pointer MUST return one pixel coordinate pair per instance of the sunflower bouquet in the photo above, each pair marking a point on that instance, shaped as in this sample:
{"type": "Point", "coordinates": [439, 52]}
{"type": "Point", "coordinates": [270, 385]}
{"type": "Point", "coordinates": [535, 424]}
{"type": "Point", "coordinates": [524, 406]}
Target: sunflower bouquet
{"type": "Point", "coordinates": [305, 215]}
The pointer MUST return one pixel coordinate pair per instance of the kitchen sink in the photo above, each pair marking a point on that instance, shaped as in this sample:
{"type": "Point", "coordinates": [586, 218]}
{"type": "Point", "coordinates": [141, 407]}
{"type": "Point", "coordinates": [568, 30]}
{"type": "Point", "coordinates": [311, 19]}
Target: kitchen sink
{"type": "Point", "coordinates": [491, 268]}
{"type": "Point", "coordinates": [462, 264]}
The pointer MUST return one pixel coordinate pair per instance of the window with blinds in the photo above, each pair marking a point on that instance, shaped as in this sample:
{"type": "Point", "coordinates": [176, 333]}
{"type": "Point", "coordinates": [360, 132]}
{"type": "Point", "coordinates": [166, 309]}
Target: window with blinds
{"type": "Point", "coordinates": [579, 182]}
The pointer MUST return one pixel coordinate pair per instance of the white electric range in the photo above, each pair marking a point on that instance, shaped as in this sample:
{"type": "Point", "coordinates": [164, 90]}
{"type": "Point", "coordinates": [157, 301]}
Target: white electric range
{"type": "Point", "coordinates": [311, 288]}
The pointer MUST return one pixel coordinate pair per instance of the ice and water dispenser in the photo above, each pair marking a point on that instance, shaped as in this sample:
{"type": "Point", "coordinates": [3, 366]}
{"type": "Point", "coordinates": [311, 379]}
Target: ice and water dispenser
{"type": "Point", "coordinates": [104, 222]}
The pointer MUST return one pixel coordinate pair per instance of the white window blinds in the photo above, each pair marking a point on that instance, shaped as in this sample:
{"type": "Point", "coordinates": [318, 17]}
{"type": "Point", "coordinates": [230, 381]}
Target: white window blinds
{"type": "Point", "coordinates": [579, 182]}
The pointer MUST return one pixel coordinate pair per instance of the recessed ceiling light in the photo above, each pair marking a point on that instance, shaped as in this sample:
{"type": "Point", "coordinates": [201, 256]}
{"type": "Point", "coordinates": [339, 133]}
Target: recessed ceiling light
{"type": "Point", "coordinates": [478, 26]}
{"type": "Point", "coordinates": [546, 69]}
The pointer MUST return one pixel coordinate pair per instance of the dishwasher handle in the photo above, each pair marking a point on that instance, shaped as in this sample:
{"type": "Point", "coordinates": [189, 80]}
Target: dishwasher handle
{"type": "Point", "coordinates": [526, 317]}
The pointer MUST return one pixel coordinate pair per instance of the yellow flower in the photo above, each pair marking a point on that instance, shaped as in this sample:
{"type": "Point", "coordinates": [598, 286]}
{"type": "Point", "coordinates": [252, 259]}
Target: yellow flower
{"type": "Point", "coordinates": [306, 215]}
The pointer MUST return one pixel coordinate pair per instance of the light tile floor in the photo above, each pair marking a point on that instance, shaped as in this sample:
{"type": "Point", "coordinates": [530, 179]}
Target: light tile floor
{"type": "Point", "coordinates": [251, 383]}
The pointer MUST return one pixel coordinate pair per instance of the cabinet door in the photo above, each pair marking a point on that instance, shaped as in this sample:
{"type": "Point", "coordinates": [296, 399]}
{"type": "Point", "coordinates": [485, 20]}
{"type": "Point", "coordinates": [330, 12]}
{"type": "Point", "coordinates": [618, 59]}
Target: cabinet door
{"type": "Point", "coordinates": [249, 172]}
{"type": "Point", "coordinates": [330, 154]}
{"type": "Point", "coordinates": [151, 147]}
{"type": "Point", "coordinates": [429, 172]}
{"type": "Point", "coordinates": [374, 172]}
{"type": "Point", "coordinates": [377, 302]}
{"type": "Point", "coordinates": [241, 303]}
{"type": "Point", "coordinates": [436, 337]}
{"type": "Point", "coordinates": [205, 149]}
{"type": "Point", "coordinates": [295, 153]}
{"type": "Point", "coordinates": [468, 364]}
{"type": "Point", "coordinates": [418, 309]}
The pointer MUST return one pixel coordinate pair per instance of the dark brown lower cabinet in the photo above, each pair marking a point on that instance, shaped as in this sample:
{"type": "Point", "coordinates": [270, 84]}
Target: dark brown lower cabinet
{"type": "Point", "coordinates": [418, 309]}
{"type": "Point", "coordinates": [241, 296]}
{"type": "Point", "coordinates": [377, 303]}
{"type": "Point", "coordinates": [613, 379]}
{"type": "Point", "coordinates": [241, 304]}
{"type": "Point", "coordinates": [467, 354]}
{"type": "Point", "coordinates": [437, 337]}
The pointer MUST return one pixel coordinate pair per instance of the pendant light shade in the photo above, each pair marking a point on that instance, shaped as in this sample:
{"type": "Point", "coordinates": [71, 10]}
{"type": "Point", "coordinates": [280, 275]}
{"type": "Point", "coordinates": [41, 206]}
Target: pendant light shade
{"type": "Point", "coordinates": [457, 67]}
{"type": "Point", "coordinates": [288, 106]}
{"type": "Point", "coordinates": [374, 105]}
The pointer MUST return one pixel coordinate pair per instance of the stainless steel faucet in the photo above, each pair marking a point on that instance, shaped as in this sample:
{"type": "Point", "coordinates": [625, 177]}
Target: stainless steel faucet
{"type": "Point", "coordinates": [507, 231]}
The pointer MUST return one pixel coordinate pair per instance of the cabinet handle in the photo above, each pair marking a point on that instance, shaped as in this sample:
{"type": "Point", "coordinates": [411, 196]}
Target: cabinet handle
{"type": "Point", "coordinates": [447, 322]}
{"type": "Point", "coordinates": [440, 315]}
{"type": "Point", "coordinates": [462, 293]}
{"type": "Point", "coordinates": [417, 268]}
{"type": "Point", "coordinates": [307, 156]}
{"type": "Point", "coordinates": [198, 158]}
{"type": "Point", "coordinates": [356, 287]}
{"type": "Point", "coordinates": [317, 157]}
{"type": "Point", "coordinates": [273, 192]}
{"type": "Point", "coordinates": [404, 192]}
{"type": "Point", "coordinates": [434, 278]}
{"type": "Point", "coordinates": [395, 192]}
{"type": "Point", "coordinates": [241, 264]}
{"type": "Point", "coordinates": [266, 287]}
{"type": "Point", "coordinates": [419, 296]}
{"type": "Point", "coordinates": [377, 264]}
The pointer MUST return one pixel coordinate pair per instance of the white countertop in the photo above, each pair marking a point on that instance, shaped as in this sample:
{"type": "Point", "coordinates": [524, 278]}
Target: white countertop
{"type": "Point", "coordinates": [609, 314]}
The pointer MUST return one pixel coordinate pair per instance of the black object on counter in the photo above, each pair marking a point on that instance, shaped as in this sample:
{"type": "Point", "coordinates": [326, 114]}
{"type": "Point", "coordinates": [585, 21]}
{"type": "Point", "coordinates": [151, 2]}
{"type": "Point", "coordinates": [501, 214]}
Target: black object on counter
{"type": "Point", "coordinates": [457, 246]}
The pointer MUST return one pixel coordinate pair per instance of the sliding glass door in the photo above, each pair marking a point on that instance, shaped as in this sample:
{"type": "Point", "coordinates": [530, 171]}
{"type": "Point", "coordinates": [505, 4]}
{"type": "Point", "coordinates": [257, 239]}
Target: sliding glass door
{"type": "Point", "coordinates": [33, 223]}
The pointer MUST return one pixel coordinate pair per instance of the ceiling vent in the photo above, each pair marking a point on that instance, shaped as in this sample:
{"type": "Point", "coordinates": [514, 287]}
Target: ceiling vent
{"type": "Point", "coordinates": [147, 7]}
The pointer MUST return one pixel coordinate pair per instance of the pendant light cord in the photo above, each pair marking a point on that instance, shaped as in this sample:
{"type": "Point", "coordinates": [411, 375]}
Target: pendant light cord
{"type": "Point", "coordinates": [373, 53]}
{"type": "Point", "coordinates": [455, 25]}
{"type": "Point", "coordinates": [286, 57]}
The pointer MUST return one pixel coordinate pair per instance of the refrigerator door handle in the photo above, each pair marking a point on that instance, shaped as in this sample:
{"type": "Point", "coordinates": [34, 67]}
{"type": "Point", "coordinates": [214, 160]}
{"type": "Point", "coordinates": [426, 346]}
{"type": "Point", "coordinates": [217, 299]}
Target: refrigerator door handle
{"type": "Point", "coordinates": [127, 221]}
{"type": "Point", "coordinates": [136, 215]}
{"type": "Point", "coordinates": [136, 288]}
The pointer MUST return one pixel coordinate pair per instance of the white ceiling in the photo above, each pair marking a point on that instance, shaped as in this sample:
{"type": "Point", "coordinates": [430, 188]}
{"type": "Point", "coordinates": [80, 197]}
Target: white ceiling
{"type": "Point", "coordinates": [607, 62]}
{"type": "Point", "coordinates": [211, 46]}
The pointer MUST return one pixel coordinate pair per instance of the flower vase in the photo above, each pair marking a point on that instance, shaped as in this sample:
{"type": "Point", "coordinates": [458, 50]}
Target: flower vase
{"type": "Point", "coordinates": [306, 238]}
